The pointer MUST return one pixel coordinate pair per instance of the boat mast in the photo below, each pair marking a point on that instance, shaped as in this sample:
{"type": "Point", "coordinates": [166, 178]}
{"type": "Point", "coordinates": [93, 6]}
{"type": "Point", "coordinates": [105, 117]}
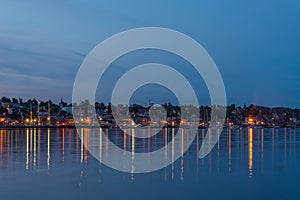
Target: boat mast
{"type": "Point", "coordinates": [38, 112]}
{"type": "Point", "coordinates": [49, 115]}
{"type": "Point", "coordinates": [30, 112]}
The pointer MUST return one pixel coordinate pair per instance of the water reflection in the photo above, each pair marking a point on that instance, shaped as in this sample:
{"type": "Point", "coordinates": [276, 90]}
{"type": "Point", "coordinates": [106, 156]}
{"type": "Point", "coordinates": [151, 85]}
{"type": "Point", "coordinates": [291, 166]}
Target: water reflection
{"type": "Point", "coordinates": [48, 148]}
{"type": "Point", "coordinates": [245, 151]}
{"type": "Point", "coordinates": [229, 150]}
{"type": "Point", "coordinates": [250, 141]}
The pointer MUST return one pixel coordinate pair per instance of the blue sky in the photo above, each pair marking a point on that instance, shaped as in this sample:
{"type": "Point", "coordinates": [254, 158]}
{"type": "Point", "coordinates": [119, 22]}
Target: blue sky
{"type": "Point", "coordinates": [255, 44]}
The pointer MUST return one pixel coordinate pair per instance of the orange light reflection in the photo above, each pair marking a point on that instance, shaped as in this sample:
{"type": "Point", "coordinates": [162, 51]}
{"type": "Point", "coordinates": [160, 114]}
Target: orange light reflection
{"type": "Point", "coordinates": [250, 140]}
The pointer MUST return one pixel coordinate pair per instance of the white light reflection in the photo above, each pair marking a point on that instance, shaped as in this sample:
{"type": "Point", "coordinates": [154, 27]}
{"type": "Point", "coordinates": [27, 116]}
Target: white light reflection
{"type": "Point", "coordinates": [48, 154]}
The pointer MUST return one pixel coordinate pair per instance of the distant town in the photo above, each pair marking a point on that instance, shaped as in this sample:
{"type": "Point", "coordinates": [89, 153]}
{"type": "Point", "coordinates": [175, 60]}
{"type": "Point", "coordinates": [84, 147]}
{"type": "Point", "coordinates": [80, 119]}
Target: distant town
{"type": "Point", "coordinates": [15, 112]}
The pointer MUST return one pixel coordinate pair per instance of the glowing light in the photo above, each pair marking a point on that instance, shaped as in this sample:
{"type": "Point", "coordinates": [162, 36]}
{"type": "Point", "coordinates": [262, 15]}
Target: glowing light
{"type": "Point", "coordinates": [48, 152]}
{"type": "Point", "coordinates": [250, 140]}
{"type": "Point", "coordinates": [27, 149]}
{"type": "Point", "coordinates": [251, 121]}
{"type": "Point", "coordinates": [173, 152]}
{"type": "Point", "coordinates": [34, 148]}
{"type": "Point", "coordinates": [132, 152]}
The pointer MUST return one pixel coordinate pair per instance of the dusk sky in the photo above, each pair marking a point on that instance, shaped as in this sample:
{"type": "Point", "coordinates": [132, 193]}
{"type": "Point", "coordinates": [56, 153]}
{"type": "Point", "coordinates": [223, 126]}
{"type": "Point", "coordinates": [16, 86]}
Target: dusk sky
{"type": "Point", "coordinates": [255, 44]}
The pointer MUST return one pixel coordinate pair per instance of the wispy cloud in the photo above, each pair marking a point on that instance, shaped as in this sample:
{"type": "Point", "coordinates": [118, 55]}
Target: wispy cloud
{"type": "Point", "coordinates": [28, 86]}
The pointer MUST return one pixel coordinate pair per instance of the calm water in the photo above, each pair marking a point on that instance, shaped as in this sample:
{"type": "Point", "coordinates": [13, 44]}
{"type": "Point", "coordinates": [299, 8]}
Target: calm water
{"type": "Point", "coordinates": [245, 164]}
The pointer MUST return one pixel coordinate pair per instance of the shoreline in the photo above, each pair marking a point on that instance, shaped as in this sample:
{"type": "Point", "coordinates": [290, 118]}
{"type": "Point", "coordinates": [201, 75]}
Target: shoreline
{"type": "Point", "coordinates": [113, 127]}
